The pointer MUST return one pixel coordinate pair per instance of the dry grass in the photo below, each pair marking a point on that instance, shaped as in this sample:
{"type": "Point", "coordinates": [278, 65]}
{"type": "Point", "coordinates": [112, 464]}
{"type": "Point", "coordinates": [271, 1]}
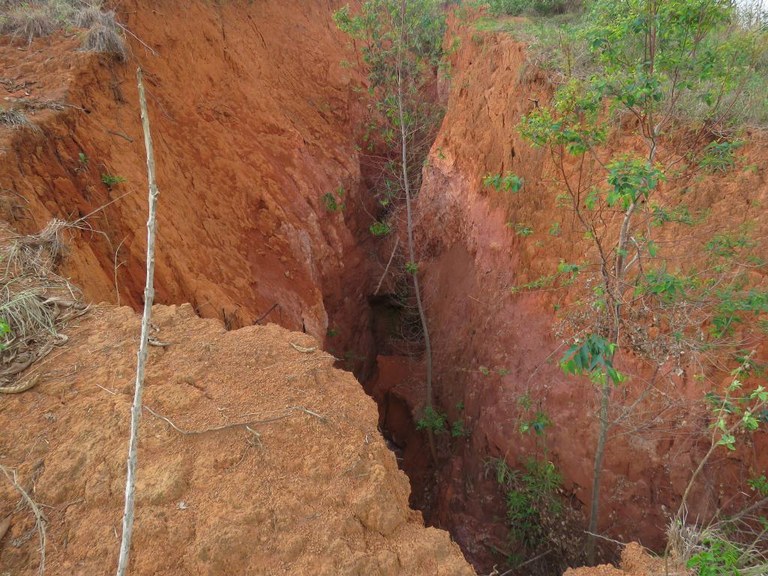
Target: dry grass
{"type": "Point", "coordinates": [732, 546]}
{"type": "Point", "coordinates": [27, 22]}
{"type": "Point", "coordinates": [34, 300]}
{"type": "Point", "coordinates": [104, 35]}
{"type": "Point", "coordinates": [37, 18]}
{"type": "Point", "coordinates": [15, 119]}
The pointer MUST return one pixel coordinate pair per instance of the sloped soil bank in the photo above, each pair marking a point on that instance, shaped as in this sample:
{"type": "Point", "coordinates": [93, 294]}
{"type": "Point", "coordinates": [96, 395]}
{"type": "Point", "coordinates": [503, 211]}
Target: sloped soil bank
{"type": "Point", "coordinates": [256, 457]}
{"type": "Point", "coordinates": [496, 349]}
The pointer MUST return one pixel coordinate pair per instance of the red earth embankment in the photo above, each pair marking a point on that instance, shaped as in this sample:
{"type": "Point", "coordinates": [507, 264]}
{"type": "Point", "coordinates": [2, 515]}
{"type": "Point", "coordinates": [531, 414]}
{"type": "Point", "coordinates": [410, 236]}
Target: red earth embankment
{"type": "Point", "coordinates": [497, 351]}
{"type": "Point", "coordinates": [255, 120]}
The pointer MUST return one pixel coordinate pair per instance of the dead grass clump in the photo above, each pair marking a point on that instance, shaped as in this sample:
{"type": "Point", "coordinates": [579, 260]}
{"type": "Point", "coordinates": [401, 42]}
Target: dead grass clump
{"type": "Point", "coordinates": [104, 34]}
{"type": "Point", "coordinates": [38, 18]}
{"type": "Point", "coordinates": [15, 119]}
{"type": "Point", "coordinates": [34, 300]}
{"type": "Point", "coordinates": [28, 21]}
{"type": "Point", "coordinates": [87, 16]}
{"type": "Point", "coordinates": [35, 254]}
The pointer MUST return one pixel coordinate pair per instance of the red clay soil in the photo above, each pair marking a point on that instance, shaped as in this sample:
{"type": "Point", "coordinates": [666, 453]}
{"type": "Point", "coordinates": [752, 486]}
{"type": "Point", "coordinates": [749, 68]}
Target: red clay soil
{"type": "Point", "coordinates": [308, 487]}
{"type": "Point", "coordinates": [494, 348]}
{"type": "Point", "coordinates": [255, 119]}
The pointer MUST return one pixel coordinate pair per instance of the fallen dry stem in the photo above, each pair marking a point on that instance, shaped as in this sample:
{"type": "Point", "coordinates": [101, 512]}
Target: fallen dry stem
{"type": "Point", "coordinates": [40, 519]}
{"type": "Point", "coordinates": [303, 349]}
{"type": "Point", "coordinates": [290, 412]}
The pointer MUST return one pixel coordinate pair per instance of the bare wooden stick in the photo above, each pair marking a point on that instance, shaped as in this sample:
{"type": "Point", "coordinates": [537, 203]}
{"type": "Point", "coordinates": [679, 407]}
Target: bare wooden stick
{"type": "Point", "coordinates": [391, 257]}
{"type": "Point", "coordinates": [149, 294]}
{"type": "Point", "coordinates": [40, 519]}
{"type": "Point", "coordinates": [246, 424]}
{"type": "Point", "coordinates": [267, 313]}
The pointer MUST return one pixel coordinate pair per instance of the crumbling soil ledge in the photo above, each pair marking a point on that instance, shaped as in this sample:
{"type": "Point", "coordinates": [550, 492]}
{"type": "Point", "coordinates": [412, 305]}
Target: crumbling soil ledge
{"type": "Point", "coordinates": [308, 487]}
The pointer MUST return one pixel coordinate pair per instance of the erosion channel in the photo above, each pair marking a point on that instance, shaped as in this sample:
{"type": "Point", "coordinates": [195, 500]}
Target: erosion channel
{"type": "Point", "coordinates": [273, 209]}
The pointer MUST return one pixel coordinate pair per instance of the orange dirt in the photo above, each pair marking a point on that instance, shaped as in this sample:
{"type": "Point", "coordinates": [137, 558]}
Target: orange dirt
{"type": "Point", "coordinates": [493, 348]}
{"type": "Point", "coordinates": [254, 118]}
{"type": "Point", "coordinates": [634, 562]}
{"type": "Point", "coordinates": [309, 487]}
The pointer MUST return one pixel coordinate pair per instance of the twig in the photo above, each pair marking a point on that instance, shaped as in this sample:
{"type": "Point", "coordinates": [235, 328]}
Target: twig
{"type": "Point", "coordinates": [267, 313]}
{"type": "Point", "coordinates": [116, 266]}
{"type": "Point", "coordinates": [391, 257]}
{"type": "Point", "coordinates": [121, 135]}
{"type": "Point", "coordinates": [245, 424]}
{"type": "Point", "coordinates": [310, 412]}
{"type": "Point", "coordinates": [40, 519]}
{"type": "Point", "coordinates": [303, 349]}
{"type": "Point", "coordinates": [107, 389]}
{"type": "Point", "coordinates": [605, 538]}
{"type": "Point", "coordinates": [529, 561]}
{"type": "Point", "coordinates": [100, 208]}
{"type": "Point", "coordinates": [125, 29]}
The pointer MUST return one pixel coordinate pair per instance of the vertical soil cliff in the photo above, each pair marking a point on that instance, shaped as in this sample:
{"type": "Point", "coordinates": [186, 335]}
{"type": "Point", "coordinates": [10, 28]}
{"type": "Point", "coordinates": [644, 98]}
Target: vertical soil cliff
{"type": "Point", "coordinates": [497, 350]}
{"type": "Point", "coordinates": [255, 120]}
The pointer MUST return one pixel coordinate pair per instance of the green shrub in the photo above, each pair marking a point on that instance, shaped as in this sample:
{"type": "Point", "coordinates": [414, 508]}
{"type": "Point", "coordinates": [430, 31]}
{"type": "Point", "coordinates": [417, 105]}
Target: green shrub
{"type": "Point", "coordinates": [380, 228]}
{"type": "Point", "coordinates": [111, 180]}
{"type": "Point", "coordinates": [334, 201]}
{"type": "Point", "coordinates": [533, 7]}
{"type": "Point", "coordinates": [458, 430]}
{"type": "Point", "coordinates": [719, 156]}
{"type": "Point", "coordinates": [432, 420]}
{"type": "Point", "coordinates": [508, 182]}
{"type": "Point", "coordinates": [531, 498]}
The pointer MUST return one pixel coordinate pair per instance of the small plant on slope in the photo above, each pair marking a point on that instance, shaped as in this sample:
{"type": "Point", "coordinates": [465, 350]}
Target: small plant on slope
{"type": "Point", "coordinates": [652, 57]}
{"type": "Point", "coordinates": [401, 43]}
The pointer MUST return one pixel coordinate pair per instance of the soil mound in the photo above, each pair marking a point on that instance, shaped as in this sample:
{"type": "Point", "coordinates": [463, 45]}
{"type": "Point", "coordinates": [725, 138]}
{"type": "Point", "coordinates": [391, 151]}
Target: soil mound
{"type": "Point", "coordinates": [256, 457]}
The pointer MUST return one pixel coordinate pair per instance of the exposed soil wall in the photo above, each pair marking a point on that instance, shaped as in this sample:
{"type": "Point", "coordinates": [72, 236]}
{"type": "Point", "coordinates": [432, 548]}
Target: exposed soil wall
{"type": "Point", "coordinates": [255, 119]}
{"type": "Point", "coordinates": [494, 347]}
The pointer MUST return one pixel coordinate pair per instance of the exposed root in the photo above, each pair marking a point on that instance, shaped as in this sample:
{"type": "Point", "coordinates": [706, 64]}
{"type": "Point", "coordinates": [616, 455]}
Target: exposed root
{"type": "Point", "coordinates": [40, 519]}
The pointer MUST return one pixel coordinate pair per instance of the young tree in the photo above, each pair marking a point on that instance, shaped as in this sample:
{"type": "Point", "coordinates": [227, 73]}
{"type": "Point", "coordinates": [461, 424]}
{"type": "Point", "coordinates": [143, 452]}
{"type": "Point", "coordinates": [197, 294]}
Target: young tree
{"type": "Point", "coordinates": [658, 61]}
{"type": "Point", "coordinates": [401, 46]}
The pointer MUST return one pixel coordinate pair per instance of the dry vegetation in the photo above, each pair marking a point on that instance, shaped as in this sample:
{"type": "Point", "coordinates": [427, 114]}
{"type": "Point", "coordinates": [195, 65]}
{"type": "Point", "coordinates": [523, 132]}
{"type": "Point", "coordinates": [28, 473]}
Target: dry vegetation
{"type": "Point", "coordinates": [34, 300]}
{"type": "Point", "coordinates": [99, 27]}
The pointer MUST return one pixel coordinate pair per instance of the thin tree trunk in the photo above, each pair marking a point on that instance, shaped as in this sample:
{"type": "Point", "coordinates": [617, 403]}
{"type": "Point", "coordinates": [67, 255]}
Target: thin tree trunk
{"type": "Point", "coordinates": [411, 242]}
{"type": "Point", "coordinates": [602, 439]}
{"type": "Point", "coordinates": [149, 294]}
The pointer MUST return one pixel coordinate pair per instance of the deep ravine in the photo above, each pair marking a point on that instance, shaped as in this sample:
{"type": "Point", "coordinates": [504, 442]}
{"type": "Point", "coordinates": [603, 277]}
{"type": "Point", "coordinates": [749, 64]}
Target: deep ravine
{"type": "Point", "coordinates": [264, 216]}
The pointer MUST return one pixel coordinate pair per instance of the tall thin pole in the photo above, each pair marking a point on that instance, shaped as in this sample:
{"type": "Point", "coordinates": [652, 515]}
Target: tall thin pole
{"type": "Point", "coordinates": [149, 294]}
